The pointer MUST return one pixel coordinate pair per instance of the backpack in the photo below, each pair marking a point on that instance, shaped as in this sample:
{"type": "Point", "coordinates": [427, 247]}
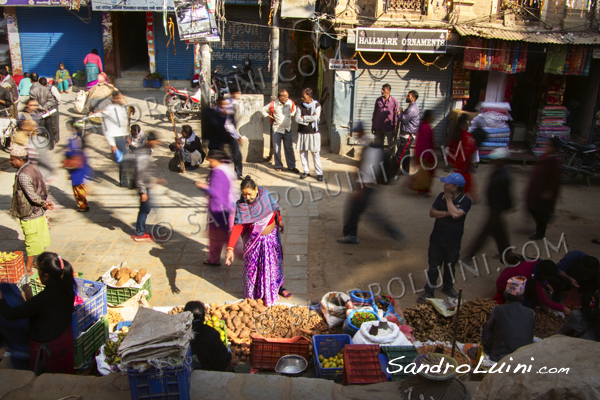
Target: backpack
{"type": "Point", "coordinates": [272, 110]}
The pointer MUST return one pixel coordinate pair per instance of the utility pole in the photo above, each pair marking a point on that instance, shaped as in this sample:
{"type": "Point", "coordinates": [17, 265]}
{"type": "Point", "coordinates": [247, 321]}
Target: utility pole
{"type": "Point", "coordinates": [205, 71]}
{"type": "Point", "coordinates": [275, 52]}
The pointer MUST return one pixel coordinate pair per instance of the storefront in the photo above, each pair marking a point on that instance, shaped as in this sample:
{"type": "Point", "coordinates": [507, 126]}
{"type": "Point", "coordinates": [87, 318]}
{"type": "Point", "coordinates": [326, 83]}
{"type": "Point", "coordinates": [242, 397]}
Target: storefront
{"type": "Point", "coordinates": [175, 61]}
{"type": "Point", "coordinates": [51, 35]}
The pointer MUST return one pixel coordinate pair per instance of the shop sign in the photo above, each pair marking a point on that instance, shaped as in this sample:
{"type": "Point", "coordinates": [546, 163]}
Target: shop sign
{"type": "Point", "coordinates": [130, 5]}
{"type": "Point", "coordinates": [195, 19]}
{"type": "Point", "coordinates": [297, 8]}
{"type": "Point", "coordinates": [401, 40]}
{"type": "Point", "coordinates": [343, 65]}
{"type": "Point", "coordinates": [17, 3]}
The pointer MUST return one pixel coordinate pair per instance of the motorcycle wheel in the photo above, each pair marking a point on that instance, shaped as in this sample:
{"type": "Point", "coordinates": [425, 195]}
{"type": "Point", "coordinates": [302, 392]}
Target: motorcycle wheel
{"type": "Point", "coordinates": [176, 108]}
{"type": "Point", "coordinates": [568, 176]}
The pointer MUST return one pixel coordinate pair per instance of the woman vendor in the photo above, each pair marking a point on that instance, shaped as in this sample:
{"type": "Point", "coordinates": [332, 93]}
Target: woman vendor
{"type": "Point", "coordinates": [584, 323]}
{"type": "Point", "coordinates": [49, 313]}
{"type": "Point", "coordinates": [208, 350]}
{"type": "Point", "coordinates": [258, 221]}
{"type": "Point", "coordinates": [537, 273]}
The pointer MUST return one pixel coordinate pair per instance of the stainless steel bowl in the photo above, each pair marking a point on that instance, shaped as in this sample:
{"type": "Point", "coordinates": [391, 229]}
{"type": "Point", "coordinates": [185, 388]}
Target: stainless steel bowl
{"type": "Point", "coordinates": [291, 365]}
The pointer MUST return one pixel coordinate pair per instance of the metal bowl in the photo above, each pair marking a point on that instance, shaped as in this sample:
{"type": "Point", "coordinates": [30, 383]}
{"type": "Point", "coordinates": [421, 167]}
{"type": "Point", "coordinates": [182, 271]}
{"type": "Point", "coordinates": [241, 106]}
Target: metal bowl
{"type": "Point", "coordinates": [291, 365]}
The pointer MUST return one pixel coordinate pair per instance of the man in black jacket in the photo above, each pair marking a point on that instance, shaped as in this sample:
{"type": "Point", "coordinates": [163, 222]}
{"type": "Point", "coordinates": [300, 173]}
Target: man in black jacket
{"type": "Point", "coordinates": [208, 351]}
{"type": "Point", "coordinates": [499, 202]}
{"type": "Point", "coordinates": [190, 146]}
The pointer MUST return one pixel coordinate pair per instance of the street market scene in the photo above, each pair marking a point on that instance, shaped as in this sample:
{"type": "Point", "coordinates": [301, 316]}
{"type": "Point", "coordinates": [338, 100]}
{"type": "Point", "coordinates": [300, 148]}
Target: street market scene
{"type": "Point", "coordinates": [227, 199]}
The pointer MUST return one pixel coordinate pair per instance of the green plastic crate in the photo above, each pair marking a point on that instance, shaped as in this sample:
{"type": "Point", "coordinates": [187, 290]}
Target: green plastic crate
{"type": "Point", "coordinates": [91, 340]}
{"type": "Point", "coordinates": [116, 296]}
{"type": "Point", "coordinates": [393, 352]}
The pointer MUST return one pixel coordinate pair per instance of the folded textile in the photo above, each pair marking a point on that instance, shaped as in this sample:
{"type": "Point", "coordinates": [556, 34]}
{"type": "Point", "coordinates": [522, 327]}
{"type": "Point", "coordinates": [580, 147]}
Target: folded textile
{"type": "Point", "coordinates": [499, 135]}
{"type": "Point", "coordinates": [490, 130]}
{"type": "Point", "coordinates": [498, 139]}
{"type": "Point", "coordinates": [494, 144]}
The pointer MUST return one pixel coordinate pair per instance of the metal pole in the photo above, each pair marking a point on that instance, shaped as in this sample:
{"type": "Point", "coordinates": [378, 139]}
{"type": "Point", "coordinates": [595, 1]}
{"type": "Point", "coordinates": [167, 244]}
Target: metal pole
{"type": "Point", "coordinates": [205, 71]}
{"type": "Point", "coordinates": [456, 322]}
{"type": "Point", "coordinates": [275, 52]}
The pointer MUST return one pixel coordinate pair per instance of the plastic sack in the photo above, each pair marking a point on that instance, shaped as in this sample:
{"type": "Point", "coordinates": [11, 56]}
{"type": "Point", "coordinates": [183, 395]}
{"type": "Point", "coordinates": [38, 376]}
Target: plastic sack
{"type": "Point", "coordinates": [392, 338]}
{"type": "Point", "coordinates": [80, 101]}
{"type": "Point", "coordinates": [334, 315]}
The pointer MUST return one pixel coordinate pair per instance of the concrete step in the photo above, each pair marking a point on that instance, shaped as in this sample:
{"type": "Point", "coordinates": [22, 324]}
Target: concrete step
{"type": "Point", "coordinates": [129, 84]}
{"type": "Point", "coordinates": [134, 74]}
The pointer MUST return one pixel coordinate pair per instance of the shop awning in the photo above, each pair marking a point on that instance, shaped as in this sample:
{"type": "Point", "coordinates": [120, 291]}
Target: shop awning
{"type": "Point", "coordinates": [530, 36]}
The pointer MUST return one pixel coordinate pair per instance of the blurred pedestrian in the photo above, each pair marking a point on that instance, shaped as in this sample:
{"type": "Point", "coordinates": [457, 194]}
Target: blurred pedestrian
{"type": "Point", "coordinates": [77, 165]}
{"type": "Point", "coordinates": [461, 148]}
{"type": "Point", "coordinates": [499, 201]}
{"type": "Point", "coordinates": [136, 139]}
{"type": "Point", "coordinates": [234, 140]}
{"type": "Point", "coordinates": [51, 110]}
{"type": "Point", "coordinates": [143, 183]}
{"type": "Point", "coordinates": [309, 139]}
{"type": "Point", "coordinates": [221, 204]}
{"type": "Point", "coordinates": [450, 210]}
{"type": "Point", "coordinates": [544, 188]}
{"type": "Point", "coordinates": [7, 82]}
{"type": "Point", "coordinates": [29, 205]}
{"type": "Point", "coordinates": [424, 156]}
{"type": "Point", "coordinates": [114, 123]}
{"type": "Point", "coordinates": [384, 123]}
{"type": "Point", "coordinates": [280, 113]}
{"type": "Point", "coordinates": [362, 198]}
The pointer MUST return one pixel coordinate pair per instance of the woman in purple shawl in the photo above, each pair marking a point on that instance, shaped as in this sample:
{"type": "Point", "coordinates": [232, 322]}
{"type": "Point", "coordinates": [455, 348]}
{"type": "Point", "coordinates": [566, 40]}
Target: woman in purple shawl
{"type": "Point", "coordinates": [258, 221]}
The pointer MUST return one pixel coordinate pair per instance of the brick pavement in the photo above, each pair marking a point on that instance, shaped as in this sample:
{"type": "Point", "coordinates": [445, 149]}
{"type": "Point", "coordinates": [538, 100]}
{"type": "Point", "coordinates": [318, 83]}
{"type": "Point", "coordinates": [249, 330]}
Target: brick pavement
{"type": "Point", "coordinates": [97, 240]}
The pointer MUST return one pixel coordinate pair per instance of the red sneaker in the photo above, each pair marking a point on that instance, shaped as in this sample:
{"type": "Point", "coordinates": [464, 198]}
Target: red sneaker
{"type": "Point", "coordinates": [143, 237]}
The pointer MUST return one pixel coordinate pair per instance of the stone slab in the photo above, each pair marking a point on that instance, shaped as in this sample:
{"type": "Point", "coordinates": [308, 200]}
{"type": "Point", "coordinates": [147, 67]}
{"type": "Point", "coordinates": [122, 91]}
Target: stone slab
{"type": "Point", "coordinates": [13, 379]}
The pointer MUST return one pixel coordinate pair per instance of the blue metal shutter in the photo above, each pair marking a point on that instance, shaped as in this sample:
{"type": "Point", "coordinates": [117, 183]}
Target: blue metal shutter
{"type": "Point", "coordinates": [50, 35]}
{"type": "Point", "coordinates": [180, 66]}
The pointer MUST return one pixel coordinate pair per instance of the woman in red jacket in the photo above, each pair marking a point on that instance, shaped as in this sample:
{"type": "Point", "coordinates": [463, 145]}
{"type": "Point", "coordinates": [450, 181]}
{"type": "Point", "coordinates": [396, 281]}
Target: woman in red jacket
{"type": "Point", "coordinates": [461, 147]}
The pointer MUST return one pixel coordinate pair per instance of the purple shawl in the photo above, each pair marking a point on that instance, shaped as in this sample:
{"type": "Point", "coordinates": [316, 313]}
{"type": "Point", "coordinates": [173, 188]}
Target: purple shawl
{"type": "Point", "coordinates": [263, 206]}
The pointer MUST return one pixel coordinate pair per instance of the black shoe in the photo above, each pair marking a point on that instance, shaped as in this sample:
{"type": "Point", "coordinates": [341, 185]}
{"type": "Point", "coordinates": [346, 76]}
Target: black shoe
{"type": "Point", "coordinates": [303, 175]}
{"type": "Point", "coordinates": [320, 178]}
{"type": "Point", "coordinates": [535, 237]}
{"type": "Point", "coordinates": [450, 292]}
{"type": "Point", "coordinates": [424, 297]}
{"type": "Point", "coordinates": [267, 159]}
{"type": "Point", "coordinates": [294, 170]}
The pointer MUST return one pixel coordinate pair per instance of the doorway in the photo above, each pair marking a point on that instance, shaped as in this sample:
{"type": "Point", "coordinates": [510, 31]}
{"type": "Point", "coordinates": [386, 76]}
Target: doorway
{"type": "Point", "coordinates": [130, 38]}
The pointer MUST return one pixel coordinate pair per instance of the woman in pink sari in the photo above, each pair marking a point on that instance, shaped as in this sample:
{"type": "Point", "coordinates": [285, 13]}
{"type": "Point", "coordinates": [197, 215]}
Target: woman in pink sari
{"type": "Point", "coordinates": [258, 221]}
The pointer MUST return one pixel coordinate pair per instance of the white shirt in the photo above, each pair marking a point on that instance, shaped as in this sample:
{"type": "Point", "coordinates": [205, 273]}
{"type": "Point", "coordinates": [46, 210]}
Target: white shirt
{"type": "Point", "coordinates": [114, 122]}
{"type": "Point", "coordinates": [55, 93]}
{"type": "Point", "coordinates": [282, 114]}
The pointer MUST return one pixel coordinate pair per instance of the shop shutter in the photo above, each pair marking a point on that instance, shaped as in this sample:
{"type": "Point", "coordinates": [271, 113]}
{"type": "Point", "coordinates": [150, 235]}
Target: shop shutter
{"type": "Point", "coordinates": [244, 41]}
{"type": "Point", "coordinates": [430, 82]}
{"type": "Point", "coordinates": [169, 64]}
{"type": "Point", "coordinates": [50, 35]}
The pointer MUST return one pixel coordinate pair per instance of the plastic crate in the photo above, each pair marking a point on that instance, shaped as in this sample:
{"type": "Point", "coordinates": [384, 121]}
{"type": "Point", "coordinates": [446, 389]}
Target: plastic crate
{"type": "Point", "coordinates": [265, 353]}
{"type": "Point", "coordinates": [151, 83]}
{"type": "Point", "coordinates": [166, 384]}
{"type": "Point", "coordinates": [384, 361]}
{"type": "Point", "coordinates": [328, 346]}
{"type": "Point", "coordinates": [361, 365]}
{"type": "Point", "coordinates": [394, 353]}
{"type": "Point", "coordinates": [14, 270]}
{"type": "Point", "coordinates": [116, 296]}
{"type": "Point", "coordinates": [91, 340]}
{"type": "Point", "coordinates": [93, 308]}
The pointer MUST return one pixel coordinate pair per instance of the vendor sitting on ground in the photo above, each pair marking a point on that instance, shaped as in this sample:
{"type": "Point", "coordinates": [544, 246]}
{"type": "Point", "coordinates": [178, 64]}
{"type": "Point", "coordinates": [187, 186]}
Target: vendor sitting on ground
{"type": "Point", "coordinates": [584, 323]}
{"type": "Point", "coordinates": [576, 270]}
{"type": "Point", "coordinates": [208, 350]}
{"type": "Point", "coordinates": [190, 146]}
{"type": "Point", "coordinates": [537, 273]}
{"type": "Point", "coordinates": [511, 324]}
{"type": "Point", "coordinates": [49, 313]}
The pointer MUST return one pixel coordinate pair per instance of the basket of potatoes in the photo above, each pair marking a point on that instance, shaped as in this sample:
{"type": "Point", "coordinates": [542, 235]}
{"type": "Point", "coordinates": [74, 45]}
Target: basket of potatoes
{"type": "Point", "coordinates": [123, 283]}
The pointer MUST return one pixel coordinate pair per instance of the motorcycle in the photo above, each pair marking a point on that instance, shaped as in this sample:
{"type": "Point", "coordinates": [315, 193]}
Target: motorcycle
{"type": "Point", "coordinates": [243, 79]}
{"type": "Point", "coordinates": [182, 103]}
{"type": "Point", "coordinates": [578, 159]}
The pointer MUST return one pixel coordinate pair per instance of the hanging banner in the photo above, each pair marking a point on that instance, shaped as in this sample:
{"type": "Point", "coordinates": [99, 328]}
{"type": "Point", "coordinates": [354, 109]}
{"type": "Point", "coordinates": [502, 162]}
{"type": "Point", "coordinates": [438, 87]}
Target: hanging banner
{"type": "Point", "coordinates": [129, 5]}
{"type": "Point", "coordinates": [195, 19]}
{"type": "Point", "coordinates": [401, 40]}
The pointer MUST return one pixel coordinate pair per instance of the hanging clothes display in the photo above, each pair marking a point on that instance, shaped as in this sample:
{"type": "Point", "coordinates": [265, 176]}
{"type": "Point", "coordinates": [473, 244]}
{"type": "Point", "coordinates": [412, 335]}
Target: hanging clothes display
{"type": "Point", "coordinates": [556, 58]}
{"type": "Point", "coordinates": [495, 55]}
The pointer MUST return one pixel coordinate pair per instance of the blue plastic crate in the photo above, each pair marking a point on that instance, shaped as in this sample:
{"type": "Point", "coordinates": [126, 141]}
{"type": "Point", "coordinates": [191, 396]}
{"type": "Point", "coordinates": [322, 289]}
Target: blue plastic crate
{"type": "Point", "coordinates": [152, 83]}
{"type": "Point", "coordinates": [328, 346]}
{"type": "Point", "coordinates": [167, 384]}
{"type": "Point", "coordinates": [384, 362]}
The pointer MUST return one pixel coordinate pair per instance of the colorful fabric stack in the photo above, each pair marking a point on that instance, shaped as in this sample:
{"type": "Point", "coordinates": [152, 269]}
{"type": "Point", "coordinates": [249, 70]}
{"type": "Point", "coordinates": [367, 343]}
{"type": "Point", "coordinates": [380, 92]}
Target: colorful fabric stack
{"type": "Point", "coordinates": [493, 119]}
{"type": "Point", "coordinates": [551, 122]}
{"type": "Point", "coordinates": [568, 60]}
{"type": "Point", "coordinates": [495, 55]}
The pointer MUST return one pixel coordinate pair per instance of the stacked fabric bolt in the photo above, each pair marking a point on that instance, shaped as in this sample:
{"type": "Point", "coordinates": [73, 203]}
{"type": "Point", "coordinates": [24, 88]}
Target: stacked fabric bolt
{"type": "Point", "coordinates": [551, 122]}
{"type": "Point", "coordinates": [494, 118]}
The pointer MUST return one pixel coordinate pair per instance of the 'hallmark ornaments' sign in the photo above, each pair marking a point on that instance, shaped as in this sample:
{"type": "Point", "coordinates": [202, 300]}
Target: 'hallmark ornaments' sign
{"type": "Point", "coordinates": [401, 40]}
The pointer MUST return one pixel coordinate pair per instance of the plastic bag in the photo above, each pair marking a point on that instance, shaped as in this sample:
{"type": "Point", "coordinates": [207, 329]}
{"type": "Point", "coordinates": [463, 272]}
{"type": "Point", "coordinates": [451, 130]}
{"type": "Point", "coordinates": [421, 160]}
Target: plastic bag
{"type": "Point", "coordinates": [79, 101]}
{"type": "Point", "coordinates": [393, 336]}
{"type": "Point", "coordinates": [334, 314]}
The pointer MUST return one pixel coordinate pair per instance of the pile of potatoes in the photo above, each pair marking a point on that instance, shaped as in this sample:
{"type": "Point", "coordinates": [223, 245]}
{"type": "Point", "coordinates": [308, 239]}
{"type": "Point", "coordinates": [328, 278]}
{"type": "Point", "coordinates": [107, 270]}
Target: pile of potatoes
{"type": "Point", "coordinates": [122, 275]}
{"type": "Point", "coordinates": [239, 318]}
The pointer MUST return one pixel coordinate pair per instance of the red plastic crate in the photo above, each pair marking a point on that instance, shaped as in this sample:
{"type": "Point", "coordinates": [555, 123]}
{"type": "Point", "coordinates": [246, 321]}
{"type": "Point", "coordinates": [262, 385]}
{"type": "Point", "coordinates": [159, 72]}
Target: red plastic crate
{"type": "Point", "coordinates": [361, 365]}
{"type": "Point", "coordinates": [14, 270]}
{"type": "Point", "coordinates": [265, 353]}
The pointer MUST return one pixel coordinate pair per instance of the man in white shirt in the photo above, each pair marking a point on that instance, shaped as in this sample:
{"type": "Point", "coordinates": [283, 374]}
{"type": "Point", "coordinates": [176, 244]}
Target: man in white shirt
{"type": "Point", "coordinates": [114, 123]}
{"type": "Point", "coordinates": [280, 112]}
{"type": "Point", "coordinates": [309, 138]}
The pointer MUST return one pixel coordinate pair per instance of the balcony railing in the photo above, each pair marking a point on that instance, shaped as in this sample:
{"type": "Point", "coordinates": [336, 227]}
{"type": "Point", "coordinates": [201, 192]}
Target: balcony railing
{"type": "Point", "coordinates": [400, 6]}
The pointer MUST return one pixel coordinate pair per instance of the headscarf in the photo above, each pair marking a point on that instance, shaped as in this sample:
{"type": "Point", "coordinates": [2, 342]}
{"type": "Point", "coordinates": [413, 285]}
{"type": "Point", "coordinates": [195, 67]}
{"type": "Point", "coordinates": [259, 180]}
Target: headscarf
{"type": "Point", "coordinates": [250, 213]}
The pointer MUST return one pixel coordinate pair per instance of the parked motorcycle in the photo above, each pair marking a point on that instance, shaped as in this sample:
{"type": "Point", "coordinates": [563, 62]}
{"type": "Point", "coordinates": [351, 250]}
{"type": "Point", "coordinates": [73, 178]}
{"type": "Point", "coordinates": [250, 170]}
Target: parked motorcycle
{"type": "Point", "coordinates": [578, 159]}
{"type": "Point", "coordinates": [182, 103]}
{"type": "Point", "coordinates": [243, 78]}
